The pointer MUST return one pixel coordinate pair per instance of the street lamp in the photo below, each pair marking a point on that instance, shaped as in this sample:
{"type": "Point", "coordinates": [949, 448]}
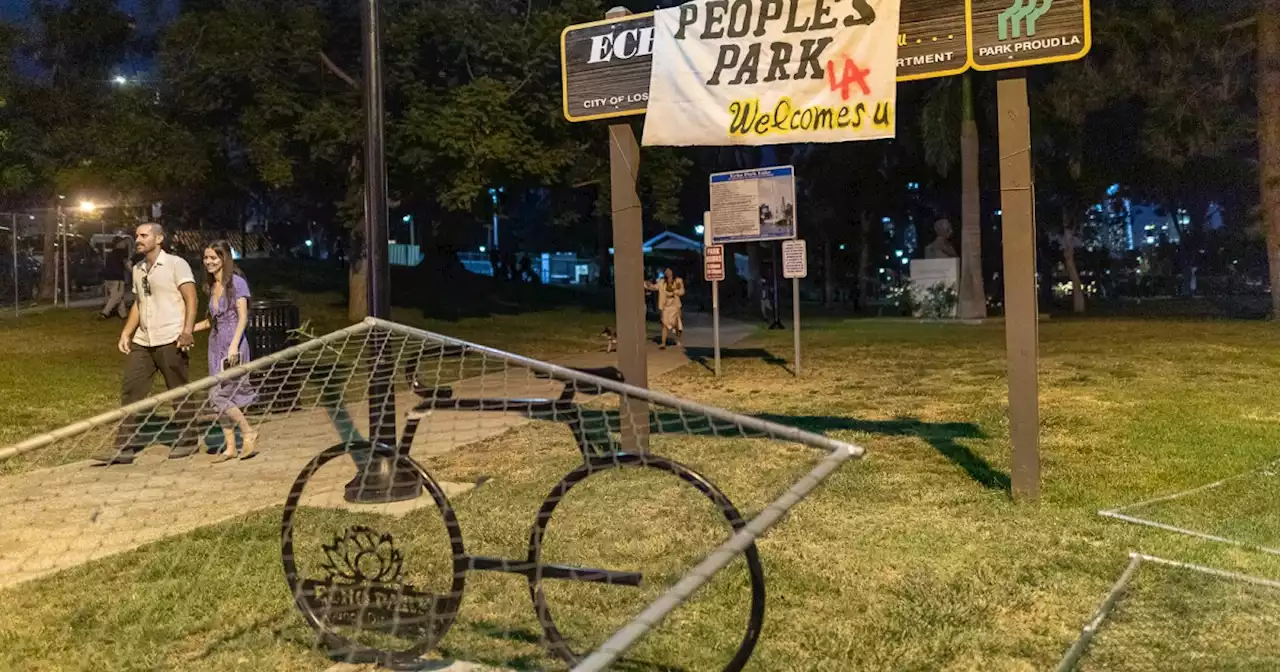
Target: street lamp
{"type": "Point", "coordinates": [87, 207]}
{"type": "Point", "coordinates": [120, 80]}
{"type": "Point", "coordinates": [493, 195]}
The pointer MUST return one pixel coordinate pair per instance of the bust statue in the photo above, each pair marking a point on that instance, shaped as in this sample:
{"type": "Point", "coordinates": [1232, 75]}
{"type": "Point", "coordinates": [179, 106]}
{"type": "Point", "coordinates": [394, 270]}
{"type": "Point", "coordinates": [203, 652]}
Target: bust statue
{"type": "Point", "coordinates": [941, 247]}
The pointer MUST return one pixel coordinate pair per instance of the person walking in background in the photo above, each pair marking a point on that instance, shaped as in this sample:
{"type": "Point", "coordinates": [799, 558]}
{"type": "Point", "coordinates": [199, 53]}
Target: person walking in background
{"type": "Point", "coordinates": [157, 337]}
{"type": "Point", "coordinates": [114, 276]}
{"type": "Point", "coordinates": [228, 316]}
{"type": "Point", "coordinates": [669, 289]}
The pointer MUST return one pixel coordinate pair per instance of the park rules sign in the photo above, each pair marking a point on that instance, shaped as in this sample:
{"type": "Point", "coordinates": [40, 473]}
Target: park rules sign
{"type": "Point", "coordinates": [767, 72]}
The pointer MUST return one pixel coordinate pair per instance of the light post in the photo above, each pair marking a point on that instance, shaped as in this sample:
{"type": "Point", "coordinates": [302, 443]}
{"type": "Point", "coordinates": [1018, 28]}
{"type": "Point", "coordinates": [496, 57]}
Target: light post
{"type": "Point", "coordinates": [493, 195]}
{"type": "Point", "coordinates": [379, 478]}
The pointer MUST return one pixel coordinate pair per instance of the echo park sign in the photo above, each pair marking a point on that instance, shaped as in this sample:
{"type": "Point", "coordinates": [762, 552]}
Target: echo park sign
{"type": "Point", "coordinates": [606, 65]}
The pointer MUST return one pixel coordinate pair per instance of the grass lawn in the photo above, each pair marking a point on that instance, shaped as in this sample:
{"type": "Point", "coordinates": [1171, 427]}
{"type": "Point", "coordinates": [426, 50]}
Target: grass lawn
{"type": "Point", "coordinates": [912, 559]}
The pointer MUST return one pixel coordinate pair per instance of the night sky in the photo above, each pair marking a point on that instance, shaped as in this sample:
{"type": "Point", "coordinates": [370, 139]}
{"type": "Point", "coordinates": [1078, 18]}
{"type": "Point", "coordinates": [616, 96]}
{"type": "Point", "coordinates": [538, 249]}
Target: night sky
{"type": "Point", "coordinates": [17, 10]}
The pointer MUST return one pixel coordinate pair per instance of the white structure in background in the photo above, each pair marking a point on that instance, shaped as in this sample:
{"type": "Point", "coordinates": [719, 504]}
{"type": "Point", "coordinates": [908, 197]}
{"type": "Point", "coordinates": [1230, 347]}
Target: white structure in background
{"type": "Point", "coordinates": [674, 242]}
{"type": "Point", "coordinates": [926, 273]}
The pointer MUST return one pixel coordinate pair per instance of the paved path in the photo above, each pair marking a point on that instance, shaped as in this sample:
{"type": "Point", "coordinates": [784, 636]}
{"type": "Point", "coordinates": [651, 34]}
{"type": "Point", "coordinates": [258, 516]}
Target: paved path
{"type": "Point", "coordinates": [61, 517]}
{"type": "Point", "coordinates": [6, 310]}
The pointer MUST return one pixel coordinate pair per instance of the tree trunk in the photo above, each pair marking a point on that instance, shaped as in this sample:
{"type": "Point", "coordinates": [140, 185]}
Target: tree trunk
{"type": "Point", "coordinates": [973, 294]}
{"type": "Point", "coordinates": [1269, 138]}
{"type": "Point", "coordinates": [357, 276]}
{"type": "Point", "coordinates": [49, 268]}
{"type": "Point", "coordinates": [357, 285]}
{"type": "Point", "coordinates": [864, 261]}
{"type": "Point", "coordinates": [1069, 260]}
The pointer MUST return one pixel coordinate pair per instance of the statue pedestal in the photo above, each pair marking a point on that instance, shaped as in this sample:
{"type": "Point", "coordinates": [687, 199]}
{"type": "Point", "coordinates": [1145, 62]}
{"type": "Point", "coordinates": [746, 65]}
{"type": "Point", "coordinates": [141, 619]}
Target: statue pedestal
{"type": "Point", "coordinates": [926, 273]}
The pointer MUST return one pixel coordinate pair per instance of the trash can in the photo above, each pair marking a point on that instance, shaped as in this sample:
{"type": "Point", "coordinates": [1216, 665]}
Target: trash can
{"type": "Point", "coordinates": [271, 319]}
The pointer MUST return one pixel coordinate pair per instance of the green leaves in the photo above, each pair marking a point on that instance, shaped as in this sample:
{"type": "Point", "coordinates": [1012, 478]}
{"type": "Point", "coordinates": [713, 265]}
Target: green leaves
{"type": "Point", "coordinates": [940, 117]}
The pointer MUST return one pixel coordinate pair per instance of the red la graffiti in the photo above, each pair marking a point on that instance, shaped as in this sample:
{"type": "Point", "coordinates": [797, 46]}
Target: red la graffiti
{"type": "Point", "coordinates": [850, 75]}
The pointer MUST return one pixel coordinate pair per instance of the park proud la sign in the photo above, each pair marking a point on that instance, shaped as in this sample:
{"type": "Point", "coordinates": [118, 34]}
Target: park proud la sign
{"type": "Point", "coordinates": [606, 65]}
{"type": "Point", "coordinates": [1021, 33]}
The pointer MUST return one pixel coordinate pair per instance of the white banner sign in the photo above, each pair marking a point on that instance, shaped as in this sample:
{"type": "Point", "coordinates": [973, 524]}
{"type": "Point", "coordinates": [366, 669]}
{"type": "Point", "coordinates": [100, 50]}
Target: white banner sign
{"type": "Point", "coordinates": [768, 72]}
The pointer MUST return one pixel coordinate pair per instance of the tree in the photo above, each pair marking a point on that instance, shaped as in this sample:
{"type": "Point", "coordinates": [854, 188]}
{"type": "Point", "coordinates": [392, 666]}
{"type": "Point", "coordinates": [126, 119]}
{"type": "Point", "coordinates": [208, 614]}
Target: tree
{"type": "Point", "coordinates": [472, 103]}
{"type": "Point", "coordinates": [946, 107]}
{"type": "Point", "coordinates": [857, 183]}
{"type": "Point", "coordinates": [1063, 158]}
{"type": "Point", "coordinates": [1198, 123]}
{"type": "Point", "coordinates": [77, 45]}
{"type": "Point", "coordinates": [17, 134]}
{"type": "Point", "coordinates": [257, 84]}
{"type": "Point", "coordinates": [1269, 138]}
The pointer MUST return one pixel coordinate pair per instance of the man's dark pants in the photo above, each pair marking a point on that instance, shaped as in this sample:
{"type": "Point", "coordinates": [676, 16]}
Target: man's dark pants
{"type": "Point", "coordinates": [139, 369]}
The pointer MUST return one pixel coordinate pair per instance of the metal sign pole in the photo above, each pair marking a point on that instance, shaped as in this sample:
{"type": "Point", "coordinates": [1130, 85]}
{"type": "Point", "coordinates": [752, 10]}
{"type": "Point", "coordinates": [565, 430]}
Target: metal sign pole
{"type": "Point", "coordinates": [715, 322]}
{"type": "Point", "coordinates": [708, 235]}
{"type": "Point", "coordinates": [66, 267]}
{"type": "Point", "coordinates": [795, 266]}
{"type": "Point", "coordinates": [13, 239]}
{"type": "Point", "coordinates": [795, 317]}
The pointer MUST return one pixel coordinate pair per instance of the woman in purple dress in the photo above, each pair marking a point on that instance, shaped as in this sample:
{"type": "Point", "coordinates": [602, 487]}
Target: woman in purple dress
{"type": "Point", "coordinates": [228, 316]}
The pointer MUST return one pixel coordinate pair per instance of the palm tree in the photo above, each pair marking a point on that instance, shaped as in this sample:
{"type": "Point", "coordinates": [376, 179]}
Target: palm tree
{"type": "Point", "coordinates": [938, 125]}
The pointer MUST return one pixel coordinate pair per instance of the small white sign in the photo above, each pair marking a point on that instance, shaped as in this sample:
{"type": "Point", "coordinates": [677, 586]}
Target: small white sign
{"type": "Point", "coordinates": [795, 263]}
{"type": "Point", "coordinates": [713, 263]}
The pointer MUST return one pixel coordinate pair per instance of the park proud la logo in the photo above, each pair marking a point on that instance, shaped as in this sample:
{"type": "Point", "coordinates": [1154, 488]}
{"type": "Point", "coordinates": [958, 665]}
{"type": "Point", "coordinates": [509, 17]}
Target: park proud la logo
{"type": "Point", "coordinates": [1020, 14]}
{"type": "Point", "coordinates": [364, 588]}
{"type": "Point", "coordinates": [1016, 33]}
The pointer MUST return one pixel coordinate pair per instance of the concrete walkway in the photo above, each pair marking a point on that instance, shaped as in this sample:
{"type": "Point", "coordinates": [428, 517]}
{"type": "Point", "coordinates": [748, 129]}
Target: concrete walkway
{"type": "Point", "coordinates": [7, 311]}
{"type": "Point", "coordinates": [57, 518]}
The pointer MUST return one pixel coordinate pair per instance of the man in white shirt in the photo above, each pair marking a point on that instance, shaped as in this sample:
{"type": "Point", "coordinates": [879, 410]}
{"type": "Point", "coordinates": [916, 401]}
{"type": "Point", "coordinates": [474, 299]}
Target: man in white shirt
{"type": "Point", "coordinates": [157, 338]}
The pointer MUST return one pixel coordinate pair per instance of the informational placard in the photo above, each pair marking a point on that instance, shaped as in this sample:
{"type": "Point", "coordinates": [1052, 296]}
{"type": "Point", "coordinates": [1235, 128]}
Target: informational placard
{"type": "Point", "coordinates": [933, 40]}
{"type": "Point", "coordinates": [795, 260]}
{"type": "Point", "coordinates": [768, 73]}
{"type": "Point", "coordinates": [713, 263]}
{"type": "Point", "coordinates": [749, 205]}
{"type": "Point", "coordinates": [1020, 33]}
{"type": "Point", "coordinates": [604, 67]}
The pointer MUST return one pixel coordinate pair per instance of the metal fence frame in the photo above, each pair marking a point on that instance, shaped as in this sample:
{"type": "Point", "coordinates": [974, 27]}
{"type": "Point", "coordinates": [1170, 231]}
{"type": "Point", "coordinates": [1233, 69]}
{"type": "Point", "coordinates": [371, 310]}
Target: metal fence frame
{"type": "Point", "coordinates": [837, 453]}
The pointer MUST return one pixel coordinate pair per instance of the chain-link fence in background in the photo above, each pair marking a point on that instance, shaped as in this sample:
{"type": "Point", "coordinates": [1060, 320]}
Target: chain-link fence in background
{"type": "Point", "coordinates": [627, 517]}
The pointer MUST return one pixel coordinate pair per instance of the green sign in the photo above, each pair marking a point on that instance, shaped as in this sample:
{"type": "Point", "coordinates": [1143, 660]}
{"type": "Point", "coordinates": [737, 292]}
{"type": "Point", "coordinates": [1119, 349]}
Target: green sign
{"type": "Point", "coordinates": [1020, 33]}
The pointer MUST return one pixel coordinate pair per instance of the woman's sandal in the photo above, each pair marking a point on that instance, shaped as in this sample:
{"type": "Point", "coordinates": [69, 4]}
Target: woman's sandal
{"type": "Point", "coordinates": [249, 442]}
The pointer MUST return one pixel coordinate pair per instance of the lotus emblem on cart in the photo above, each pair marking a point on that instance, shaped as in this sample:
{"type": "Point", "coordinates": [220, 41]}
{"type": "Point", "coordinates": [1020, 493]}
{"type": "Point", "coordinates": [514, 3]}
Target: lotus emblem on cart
{"type": "Point", "coordinates": [363, 587]}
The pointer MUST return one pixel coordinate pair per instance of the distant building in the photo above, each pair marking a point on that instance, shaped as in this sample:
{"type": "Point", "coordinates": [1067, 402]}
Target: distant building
{"type": "Point", "coordinates": [1113, 221]}
{"type": "Point", "coordinates": [1124, 226]}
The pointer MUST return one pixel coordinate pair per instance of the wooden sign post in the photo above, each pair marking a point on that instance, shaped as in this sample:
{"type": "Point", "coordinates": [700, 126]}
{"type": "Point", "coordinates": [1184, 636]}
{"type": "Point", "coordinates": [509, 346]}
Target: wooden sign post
{"type": "Point", "coordinates": [628, 271]}
{"type": "Point", "coordinates": [1013, 34]}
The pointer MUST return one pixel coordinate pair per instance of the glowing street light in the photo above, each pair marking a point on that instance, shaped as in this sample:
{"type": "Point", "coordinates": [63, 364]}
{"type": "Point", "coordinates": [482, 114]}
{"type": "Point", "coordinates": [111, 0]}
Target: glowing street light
{"type": "Point", "coordinates": [120, 80]}
{"type": "Point", "coordinates": [87, 207]}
